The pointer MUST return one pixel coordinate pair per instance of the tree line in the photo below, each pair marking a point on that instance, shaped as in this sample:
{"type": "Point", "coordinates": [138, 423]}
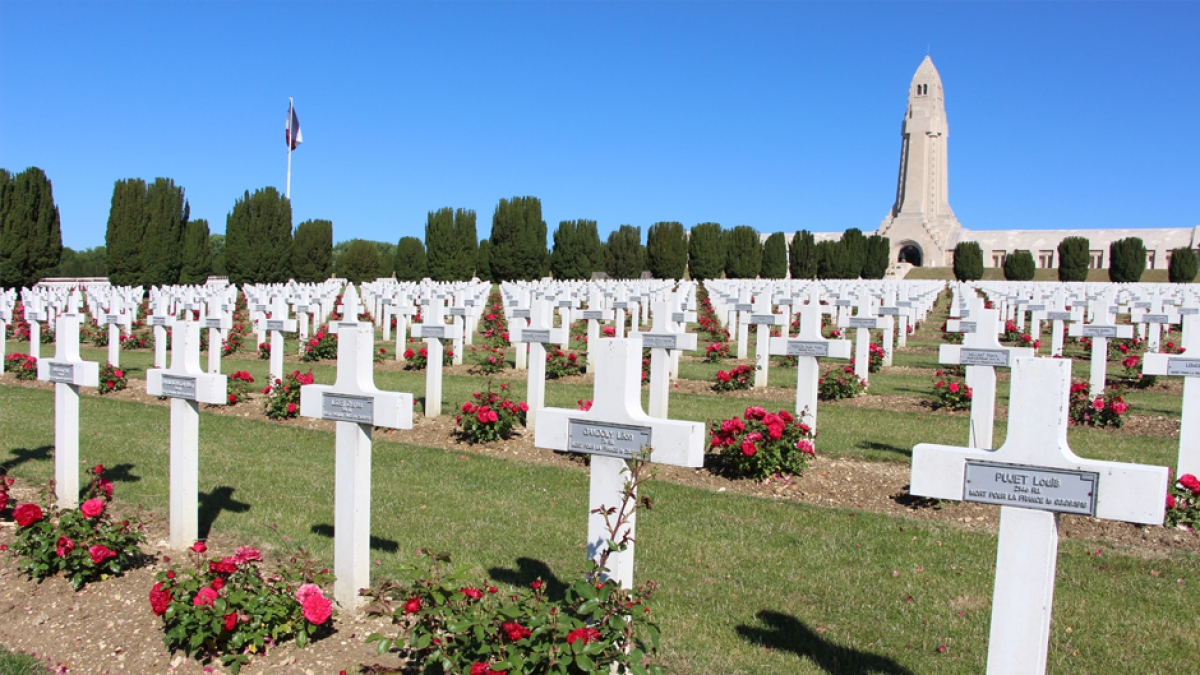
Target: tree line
{"type": "Point", "coordinates": [1127, 260]}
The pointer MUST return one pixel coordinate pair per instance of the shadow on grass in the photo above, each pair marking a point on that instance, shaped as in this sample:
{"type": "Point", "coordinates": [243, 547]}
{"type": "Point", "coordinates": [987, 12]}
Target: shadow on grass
{"type": "Point", "coordinates": [529, 570]}
{"type": "Point", "coordinates": [885, 447]}
{"type": "Point", "coordinates": [120, 473]}
{"type": "Point", "coordinates": [23, 455]}
{"type": "Point", "coordinates": [377, 543]}
{"type": "Point", "coordinates": [212, 504]}
{"type": "Point", "coordinates": [787, 633]}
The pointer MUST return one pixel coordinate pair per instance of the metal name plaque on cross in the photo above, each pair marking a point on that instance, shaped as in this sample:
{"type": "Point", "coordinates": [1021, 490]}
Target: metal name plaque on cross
{"type": "Point", "coordinates": [565, 303]}
{"type": "Point", "coordinates": [862, 322]}
{"type": "Point", "coordinates": [62, 372]}
{"type": "Point", "coordinates": [215, 323]}
{"type": "Point", "coordinates": [1100, 331]}
{"type": "Point", "coordinates": [1034, 308]}
{"type": "Point", "coordinates": [1141, 305]}
{"type": "Point", "coordinates": [593, 315]}
{"type": "Point", "coordinates": [343, 408]}
{"type": "Point", "coordinates": [889, 311]}
{"type": "Point", "coordinates": [802, 348]}
{"type": "Point", "coordinates": [542, 336]}
{"type": "Point", "coordinates": [458, 311]}
{"type": "Point", "coordinates": [1156, 318]}
{"type": "Point", "coordinates": [678, 317]}
{"type": "Point", "coordinates": [761, 319]}
{"type": "Point", "coordinates": [904, 303]}
{"type": "Point", "coordinates": [843, 303]}
{"type": "Point", "coordinates": [620, 305]}
{"type": "Point", "coordinates": [1031, 487]}
{"type": "Point", "coordinates": [743, 307]}
{"type": "Point", "coordinates": [275, 325]}
{"type": "Point", "coordinates": [997, 358]}
{"type": "Point", "coordinates": [179, 387]}
{"type": "Point", "coordinates": [433, 332]}
{"type": "Point", "coordinates": [520, 313]}
{"type": "Point", "coordinates": [967, 326]}
{"type": "Point", "coordinates": [1189, 310]}
{"type": "Point", "coordinates": [1058, 316]}
{"type": "Point", "coordinates": [261, 308]}
{"type": "Point", "coordinates": [1178, 367]}
{"type": "Point", "coordinates": [158, 321]}
{"type": "Point", "coordinates": [610, 440]}
{"type": "Point", "coordinates": [658, 341]}
{"type": "Point", "coordinates": [112, 318]}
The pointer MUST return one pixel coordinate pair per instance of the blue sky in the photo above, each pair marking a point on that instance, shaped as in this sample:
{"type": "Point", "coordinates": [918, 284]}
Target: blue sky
{"type": "Point", "coordinates": [778, 115]}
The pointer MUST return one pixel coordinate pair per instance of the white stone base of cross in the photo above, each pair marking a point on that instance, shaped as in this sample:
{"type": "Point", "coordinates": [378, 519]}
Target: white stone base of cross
{"type": "Point", "coordinates": [1034, 477]}
{"type": "Point", "coordinates": [614, 431]}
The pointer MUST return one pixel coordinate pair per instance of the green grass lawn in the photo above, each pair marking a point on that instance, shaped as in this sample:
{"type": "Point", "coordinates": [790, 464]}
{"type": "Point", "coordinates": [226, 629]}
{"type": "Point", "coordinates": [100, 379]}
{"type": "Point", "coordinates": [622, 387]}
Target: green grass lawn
{"type": "Point", "coordinates": [748, 585]}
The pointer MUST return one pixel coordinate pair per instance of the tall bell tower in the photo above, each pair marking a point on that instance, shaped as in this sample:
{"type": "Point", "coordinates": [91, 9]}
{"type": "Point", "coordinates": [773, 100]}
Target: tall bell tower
{"type": "Point", "coordinates": [921, 225]}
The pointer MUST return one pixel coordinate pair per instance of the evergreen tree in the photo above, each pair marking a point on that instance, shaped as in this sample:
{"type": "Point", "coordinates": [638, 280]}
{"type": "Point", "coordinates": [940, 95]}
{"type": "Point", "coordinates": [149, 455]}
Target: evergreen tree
{"type": "Point", "coordinates": [126, 229]}
{"type": "Point", "coordinates": [802, 256]}
{"type": "Point", "coordinates": [484, 271]}
{"type": "Point", "coordinates": [855, 245]}
{"type": "Point", "coordinates": [197, 254]}
{"type": "Point", "coordinates": [258, 238]}
{"type": "Point", "coordinates": [878, 257]}
{"type": "Point", "coordinates": [216, 244]}
{"type": "Point", "coordinates": [743, 253]}
{"type": "Point", "coordinates": [1019, 266]}
{"type": "Point", "coordinates": [30, 234]}
{"type": "Point", "coordinates": [387, 254]}
{"type": "Point", "coordinates": [360, 262]}
{"type": "Point", "coordinates": [589, 235]}
{"type": "Point", "coordinates": [410, 262]}
{"type": "Point", "coordinates": [666, 250]}
{"type": "Point", "coordinates": [519, 240]}
{"type": "Point", "coordinates": [706, 258]}
{"type": "Point", "coordinates": [832, 262]}
{"type": "Point", "coordinates": [162, 243]}
{"type": "Point", "coordinates": [86, 263]}
{"type": "Point", "coordinates": [467, 239]}
{"type": "Point", "coordinates": [569, 259]}
{"type": "Point", "coordinates": [774, 257]}
{"type": "Point", "coordinates": [1126, 260]}
{"type": "Point", "coordinates": [968, 261]}
{"type": "Point", "coordinates": [1183, 267]}
{"type": "Point", "coordinates": [440, 247]}
{"type": "Point", "coordinates": [625, 257]}
{"type": "Point", "coordinates": [312, 251]}
{"type": "Point", "coordinates": [1074, 257]}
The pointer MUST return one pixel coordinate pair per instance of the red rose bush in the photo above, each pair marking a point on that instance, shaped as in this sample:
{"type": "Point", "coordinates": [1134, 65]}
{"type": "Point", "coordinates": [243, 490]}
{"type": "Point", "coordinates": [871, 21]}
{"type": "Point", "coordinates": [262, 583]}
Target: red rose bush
{"type": "Point", "coordinates": [238, 389]}
{"type": "Point", "coordinates": [950, 393]}
{"type": "Point", "coordinates": [229, 607]}
{"type": "Point", "coordinates": [22, 366]}
{"type": "Point", "coordinates": [735, 379]}
{"type": "Point", "coordinates": [84, 544]}
{"type": "Point", "coordinates": [112, 379]}
{"type": "Point", "coordinates": [839, 383]}
{"type": "Point", "coordinates": [760, 444]}
{"type": "Point", "coordinates": [283, 397]}
{"type": "Point", "coordinates": [1183, 502]}
{"type": "Point", "coordinates": [1102, 411]}
{"type": "Point", "coordinates": [490, 416]}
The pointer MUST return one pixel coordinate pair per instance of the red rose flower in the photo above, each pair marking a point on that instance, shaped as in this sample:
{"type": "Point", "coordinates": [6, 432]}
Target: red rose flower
{"type": "Point", "coordinates": [223, 566]}
{"type": "Point", "coordinates": [586, 634]}
{"type": "Point", "coordinates": [27, 514]}
{"type": "Point", "coordinates": [217, 584]}
{"type": "Point", "coordinates": [230, 621]}
{"type": "Point", "coordinates": [806, 447]}
{"type": "Point", "coordinates": [536, 585]}
{"type": "Point", "coordinates": [748, 449]}
{"type": "Point", "coordinates": [98, 470]}
{"type": "Point", "coordinates": [953, 387]}
{"type": "Point", "coordinates": [1190, 482]}
{"type": "Point", "coordinates": [92, 507]}
{"type": "Point", "coordinates": [1170, 501]}
{"type": "Point", "coordinates": [100, 553]}
{"type": "Point", "coordinates": [472, 593]}
{"type": "Point", "coordinates": [317, 609]}
{"type": "Point", "coordinates": [205, 597]}
{"type": "Point", "coordinates": [199, 547]}
{"type": "Point", "coordinates": [160, 598]}
{"type": "Point", "coordinates": [64, 547]}
{"type": "Point", "coordinates": [292, 408]}
{"type": "Point", "coordinates": [412, 606]}
{"type": "Point", "coordinates": [515, 631]}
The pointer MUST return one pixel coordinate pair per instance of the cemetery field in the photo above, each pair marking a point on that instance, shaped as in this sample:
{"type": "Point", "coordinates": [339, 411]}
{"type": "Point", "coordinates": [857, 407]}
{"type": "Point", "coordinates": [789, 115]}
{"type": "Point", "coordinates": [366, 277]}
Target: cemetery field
{"type": "Point", "coordinates": [837, 571]}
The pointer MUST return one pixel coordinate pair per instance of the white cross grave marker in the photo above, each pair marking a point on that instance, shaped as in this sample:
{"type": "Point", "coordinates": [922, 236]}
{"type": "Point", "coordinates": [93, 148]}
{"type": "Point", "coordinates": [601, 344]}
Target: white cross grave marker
{"type": "Point", "coordinates": [661, 341]}
{"type": "Point", "coordinates": [537, 335]}
{"type": "Point", "coordinates": [864, 322]}
{"type": "Point", "coordinates": [763, 319]}
{"type": "Point", "coordinates": [981, 352]}
{"type": "Point", "coordinates": [68, 371]}
{"type": "Point", "coordinates": [1034, 476]}
{"type": "Point", "coordinates": [808, 347]}
{"type": "Point", "coordinates": [1186, 366]}
{"type": "Point", "coordinates": [161, 319]}
{"type": "Point", "coordinates": [217, 322]}
{"type": "Point", "coordinates": [187, 385]}
{"type": "Point", "coordinates": [433, 330]}
{"type": "Point", "coordinates": [356, 405]}
{"type": "Point", "coordinates": [277, 325]}
{"type": "Point", "coordinates": [614, 431]}
{"type": "Point", "coordinates": [1100, 330]}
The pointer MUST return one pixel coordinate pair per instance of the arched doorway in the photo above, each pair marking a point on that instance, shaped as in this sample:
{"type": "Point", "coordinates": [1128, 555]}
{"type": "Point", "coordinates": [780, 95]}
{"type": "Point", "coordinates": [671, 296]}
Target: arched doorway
{"type": "Point", "coordinates": [911, 254]}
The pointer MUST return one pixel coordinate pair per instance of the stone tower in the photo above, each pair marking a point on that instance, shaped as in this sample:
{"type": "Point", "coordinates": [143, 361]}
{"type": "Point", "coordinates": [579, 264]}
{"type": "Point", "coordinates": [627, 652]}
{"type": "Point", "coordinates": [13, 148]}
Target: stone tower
{"type": "Point", "coordinates": [921, 224]}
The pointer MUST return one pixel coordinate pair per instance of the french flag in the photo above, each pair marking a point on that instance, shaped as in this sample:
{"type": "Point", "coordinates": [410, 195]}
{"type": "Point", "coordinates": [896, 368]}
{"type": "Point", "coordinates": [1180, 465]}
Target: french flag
{"type": "Point", "coordinates": [291, 129]}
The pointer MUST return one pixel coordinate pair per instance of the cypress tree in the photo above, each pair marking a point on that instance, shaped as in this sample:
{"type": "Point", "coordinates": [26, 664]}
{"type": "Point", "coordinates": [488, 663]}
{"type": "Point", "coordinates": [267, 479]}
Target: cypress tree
{"type": "Point", "coordinates": [196, 261]}
{"type": "Point", "coordinates": [1074, 256]}
{"type": "Point", "coordinates": [161, 247]}
{"type": "Point", "coordinates": [589, 236]}
{"type": "Point", "coordinates": [706, 258]}
{"type": "Point", "coordinates": [5, 197]}
{"type": "Point", "coordinates": [312, 251]}
{"type": "Point", "coordinates": [968, 261]}
{"type": "Point", "coordinates": [568, 259]}
{"type": "Point", "coordinates": [802, 256]}
{"type": "Point", "coordinates": [1183, 267]}
{"type": "Point", "coordinates": [216, 244]}
{"type": "Point", "coordinates": [258, 238]}
{"type": "Point", "coordinates": [855, 245]}
{"type": "Point", "coordinates": [1126, 260]}
{"type": "Point", "coordinates": [774, 257]}
{"type": "Point", "coordinates": [625, 257]}
{"type": "Point", "coordinates": [484, 271]}
{"type": "Point", "coordinates": [519, 240]}
{"type": "Point", "coordinates": [1019, 266]}
{"type": "Point", "coordinates": [743, 253]}
{"type": "Point", "coordinates": [878, 257]}
{"type": "Point", "coordinates": [440, 246]}
{"type": "Point", "coordinates": [468, 245]}
{"type": "Point", "coordinates": [30, 233]}
{"type": "Point", "coordinates": [666, 250]}
{"type": "Point", "coordinates": [360, 262]}
{"type": "Point", "coordinates": [409, 262]}
{"type": "Point", "coordinates": [831, 260]}
{"type": "Point", "coordinates": [126, 229]}
{"type": "Point", "coordinates": [387, 252]}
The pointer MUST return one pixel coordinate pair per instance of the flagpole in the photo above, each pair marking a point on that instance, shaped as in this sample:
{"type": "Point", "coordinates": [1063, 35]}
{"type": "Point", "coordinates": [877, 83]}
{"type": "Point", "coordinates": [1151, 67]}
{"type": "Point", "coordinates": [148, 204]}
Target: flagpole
{"type": "Point", "coordinates": [288, 192]}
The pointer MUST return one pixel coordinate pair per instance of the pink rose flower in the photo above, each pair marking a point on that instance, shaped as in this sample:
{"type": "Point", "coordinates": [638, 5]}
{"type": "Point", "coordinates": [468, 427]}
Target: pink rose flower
{"type": "Point", "coordinates": [92, 507]}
